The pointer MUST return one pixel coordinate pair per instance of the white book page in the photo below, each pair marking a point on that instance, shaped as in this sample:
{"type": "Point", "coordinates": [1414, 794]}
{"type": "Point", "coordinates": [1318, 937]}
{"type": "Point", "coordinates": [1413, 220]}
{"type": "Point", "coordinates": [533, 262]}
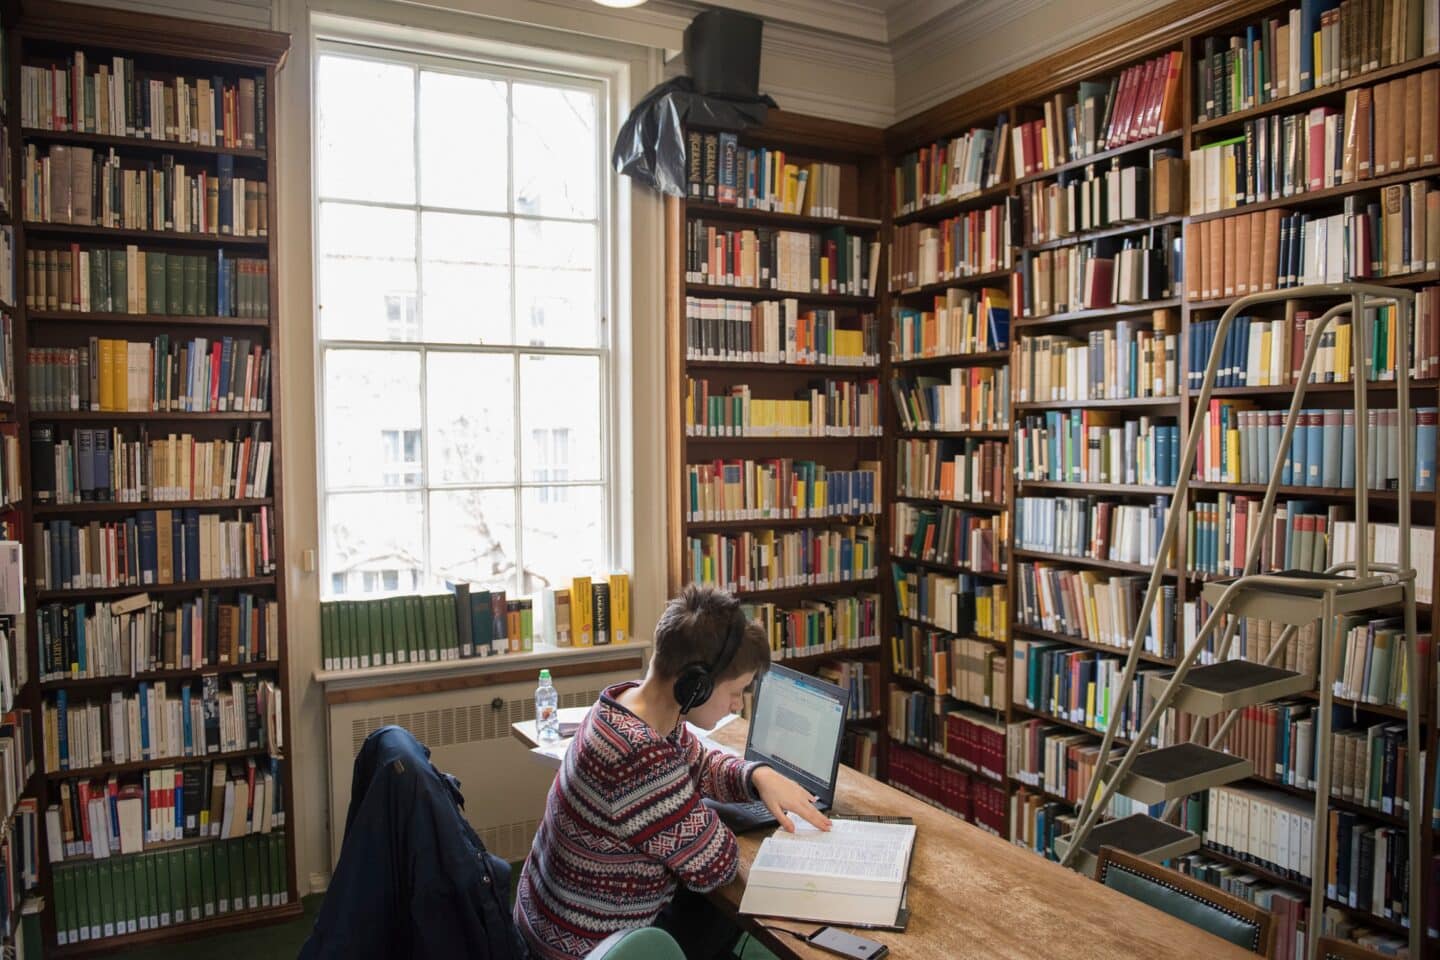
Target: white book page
{"type": "Point", "coordinates": [852, 849]}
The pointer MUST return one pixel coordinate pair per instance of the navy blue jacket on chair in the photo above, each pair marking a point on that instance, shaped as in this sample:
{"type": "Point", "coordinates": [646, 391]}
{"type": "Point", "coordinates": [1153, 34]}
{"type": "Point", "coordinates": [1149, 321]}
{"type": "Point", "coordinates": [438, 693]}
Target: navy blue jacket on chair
{"type": "Point", "coordinates": [413, 879]}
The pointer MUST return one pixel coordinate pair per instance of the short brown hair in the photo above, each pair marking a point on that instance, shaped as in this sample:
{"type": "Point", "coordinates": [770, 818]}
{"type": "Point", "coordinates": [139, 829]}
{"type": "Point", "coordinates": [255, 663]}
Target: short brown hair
{"type": "Point", "coordinates": [693, 628]}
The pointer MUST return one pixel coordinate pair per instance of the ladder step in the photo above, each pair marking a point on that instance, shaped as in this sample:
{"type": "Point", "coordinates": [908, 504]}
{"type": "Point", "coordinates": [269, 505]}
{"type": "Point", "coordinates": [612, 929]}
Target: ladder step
{"type": "Point", "coordinates": [1301, 603]}
{"type": "Point", "coordinates": [1233, 684]}
{"type": "Point", "coordinates": [1142, 835]}
{"type": "Point", "coordinates": [1158, 776]}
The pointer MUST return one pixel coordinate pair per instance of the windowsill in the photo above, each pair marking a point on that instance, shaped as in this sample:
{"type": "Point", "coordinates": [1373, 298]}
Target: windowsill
{"type": "Point", "coordinates": [542, 655]}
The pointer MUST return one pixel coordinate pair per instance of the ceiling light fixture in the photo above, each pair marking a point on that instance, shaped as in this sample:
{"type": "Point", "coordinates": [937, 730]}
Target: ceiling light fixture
{"type": "Point", "coordinates": [619, 3]}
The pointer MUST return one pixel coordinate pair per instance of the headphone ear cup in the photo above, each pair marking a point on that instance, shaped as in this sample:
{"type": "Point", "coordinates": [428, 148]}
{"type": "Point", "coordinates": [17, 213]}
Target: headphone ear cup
{"type": "Point", "coordinates": [693, 687]}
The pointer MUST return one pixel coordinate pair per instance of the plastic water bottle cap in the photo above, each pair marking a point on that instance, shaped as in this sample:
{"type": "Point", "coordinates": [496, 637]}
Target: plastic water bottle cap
{"type": "Point", "coordinates": [545, 675]}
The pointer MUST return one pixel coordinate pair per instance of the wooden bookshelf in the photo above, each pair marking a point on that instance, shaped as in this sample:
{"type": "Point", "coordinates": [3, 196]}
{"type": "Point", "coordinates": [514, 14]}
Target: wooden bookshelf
{"type": "Point", "coordinates": [46, 34]}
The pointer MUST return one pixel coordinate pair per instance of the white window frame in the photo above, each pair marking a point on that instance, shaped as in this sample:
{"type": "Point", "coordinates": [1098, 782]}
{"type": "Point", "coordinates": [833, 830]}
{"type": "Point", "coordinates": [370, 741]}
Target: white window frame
{"type": "Point", "coordinates": [529, 65]}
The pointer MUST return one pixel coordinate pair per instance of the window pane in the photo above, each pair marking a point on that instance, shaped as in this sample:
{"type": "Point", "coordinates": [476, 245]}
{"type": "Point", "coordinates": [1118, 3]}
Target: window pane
{"type": "Point", "coordinates": [371, 398]}
{"type": "Point", "coordinates": [555, 295]}
{"type": "Point", "coordinates": [367, 130]}
{"type": "Point", "coordinates": [369, 533]}
{"type": "Point", "coordinates": [367, 273]}
{"type": "Point", "coordinates": [467, 278]}
{"type": "Point", "coordinates": [564, 531]}
{"type": "Point", "coordinates": [560, 413]}
{"type": "Point", "coordinates": [472, 537]}
{"type": "Point", "coordinates": [462, 141]}
{"type": "Point", "coordinates": [471, 413]}
{"type": "Point", "coordinates": [555, 151]}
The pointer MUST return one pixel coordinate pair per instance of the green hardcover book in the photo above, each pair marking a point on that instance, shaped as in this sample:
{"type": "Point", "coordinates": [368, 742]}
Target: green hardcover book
{"type": "Point", "coordinates": [254, 877]}
{"type": "Point", "coordinates": [381, 613]}
{"type": "Point", "coordinates": [429, 630]}
{"type": "Point", "coordinates": [104, 872]}
{"type": "Point", "coordinates": [207, 878]}
{"type": "Point", "coordinates": [177, 885]}
{"type": "Point", "coordinates": [395, 630]}
{"type": "Point", "coordinates": [145, 879]}
{"type": "Point", "coordinates": [212, 290]}
{"type": "Point", "coordinates": [527, 626]}
{"type": "Point", "coordinates": [192, 286]}
{"type": "Point", "coordinates": [80, 905]}
{"type": "Point", "coordinates": [237, 874]}
{"type": "Point", "coordinates": [160, 874]}
{"type": "Point", "coordinates": [96, 903]}
{"type": "Point", "coordinates": [120, 285]}
{"type": "Point", "coordinates": [155, 274]}
{"type": "Point", "coordinates": [413, 636]}
{"type": "Point", "coordinates": [131, 883]}
{"type": "Point", "coordinates": [98, 267]}
{"type": "Point", "coordinates": [327, 636]}
{"type": "Point", "coordinates": [222, 877]}
{"type": "Point", "coordinates": [440, 619]}
{"type": "Point", "coordinates": [279, 876]}
{"type": "Point", "coordinates": [175, 284]}
{"type": "Point", "coordinates": [482, 623]}
{"type": "Point", "coordinates": [194, 906]}
{"type": "Point", "coordinates": [267, 882]}
{"type": "Point", "coordinates": [449, 626]}
{"type": "Point", "coordinates": [377, 634]}
{"type": "Point", "coordinates": [67, 927]}
{"type": "Point", "coordinates": [347, 634]}
{"type": "Point", "coordinates": [362, 634]}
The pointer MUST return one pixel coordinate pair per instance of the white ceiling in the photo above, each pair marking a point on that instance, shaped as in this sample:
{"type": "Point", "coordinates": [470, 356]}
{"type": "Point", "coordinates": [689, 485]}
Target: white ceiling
{"type": "Point", "coordinates": [880, 22]}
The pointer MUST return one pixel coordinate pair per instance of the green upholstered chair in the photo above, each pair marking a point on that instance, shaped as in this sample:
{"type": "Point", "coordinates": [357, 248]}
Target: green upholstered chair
{"type": "Point", "coordinates": [642, 943]}
{"type": "Point", "coordinates": [1331, 949]}
{"type": "Point", "coordinates": [1199, 904]}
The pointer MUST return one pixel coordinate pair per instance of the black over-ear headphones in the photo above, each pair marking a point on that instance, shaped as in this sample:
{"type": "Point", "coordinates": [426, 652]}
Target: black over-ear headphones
{"type": "Point", "coordinates": [696, 682]}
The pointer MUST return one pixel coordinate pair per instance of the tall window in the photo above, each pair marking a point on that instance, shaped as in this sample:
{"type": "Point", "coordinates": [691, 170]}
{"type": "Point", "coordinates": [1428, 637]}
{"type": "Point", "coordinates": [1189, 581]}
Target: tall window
{"type": "Point", "coordinates": [462, 278]}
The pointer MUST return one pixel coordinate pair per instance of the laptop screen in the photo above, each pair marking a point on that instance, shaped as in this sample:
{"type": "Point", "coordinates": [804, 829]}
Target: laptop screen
{"type": "Point", "coordinates": [797, 726]}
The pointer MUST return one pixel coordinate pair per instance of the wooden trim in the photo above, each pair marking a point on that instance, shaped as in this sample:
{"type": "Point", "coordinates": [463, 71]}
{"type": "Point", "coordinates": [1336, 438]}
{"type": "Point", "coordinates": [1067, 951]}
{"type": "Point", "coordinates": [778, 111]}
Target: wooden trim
{"type": "Point", "coordinates": [1263, 920]}
{"type": "Point", "coordinates": [1330, 948]}
{"type": "Point", "coordinates": [799, 130]}
{"type": "Point", "coordinates": [675, 239]}
{"type": "Point", "coordinates": [411, 688]}
{"type": "Point", "coordinates": [83, 25]}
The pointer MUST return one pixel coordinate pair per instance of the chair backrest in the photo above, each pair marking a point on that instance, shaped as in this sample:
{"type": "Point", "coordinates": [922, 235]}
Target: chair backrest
{"type": "Point", "coordinates": [1329, 948]}
{"type": "Point", "coordinates": [1197, 903]}
{"type": "Point", "coordinates": [642, 943]}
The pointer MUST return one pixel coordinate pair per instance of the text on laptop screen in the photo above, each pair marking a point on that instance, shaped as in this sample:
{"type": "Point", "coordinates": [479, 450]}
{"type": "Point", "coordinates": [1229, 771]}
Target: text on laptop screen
{"type": "Point", "coordinates": [797, 724]}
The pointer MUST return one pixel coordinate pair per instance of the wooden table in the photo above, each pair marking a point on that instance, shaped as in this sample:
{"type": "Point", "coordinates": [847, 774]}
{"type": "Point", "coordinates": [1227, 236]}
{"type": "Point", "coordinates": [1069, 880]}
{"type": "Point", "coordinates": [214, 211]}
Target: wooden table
{"type": "Point", "coordinates": [973, 896]}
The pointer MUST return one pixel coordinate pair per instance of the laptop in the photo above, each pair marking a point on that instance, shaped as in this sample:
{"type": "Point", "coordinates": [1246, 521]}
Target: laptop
{"type": "Point", "coordinates": [796, 727]}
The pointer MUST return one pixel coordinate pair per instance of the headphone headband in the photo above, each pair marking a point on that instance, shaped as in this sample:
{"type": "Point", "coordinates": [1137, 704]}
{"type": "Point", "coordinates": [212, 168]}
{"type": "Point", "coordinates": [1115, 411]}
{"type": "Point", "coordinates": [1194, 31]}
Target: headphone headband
{"type": "Point", "coordinates": [696, 682]}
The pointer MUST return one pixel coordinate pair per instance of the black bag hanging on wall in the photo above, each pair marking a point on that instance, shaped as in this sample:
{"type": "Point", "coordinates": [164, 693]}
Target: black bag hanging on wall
{"type": "Point", "coordinates": [722, 53]}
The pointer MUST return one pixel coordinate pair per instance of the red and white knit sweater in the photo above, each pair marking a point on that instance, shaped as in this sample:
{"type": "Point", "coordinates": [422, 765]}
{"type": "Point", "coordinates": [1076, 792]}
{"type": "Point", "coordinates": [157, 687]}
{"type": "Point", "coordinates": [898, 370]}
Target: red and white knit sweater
{"type": "Point", "coordinates": [623, 825]}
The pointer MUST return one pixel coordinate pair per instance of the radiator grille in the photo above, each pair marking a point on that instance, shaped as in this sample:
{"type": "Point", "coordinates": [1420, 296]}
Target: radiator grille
{"type": "Point", "coordinates": [467, 723]}
{"type": "Point", "coordinates": [510, 841]}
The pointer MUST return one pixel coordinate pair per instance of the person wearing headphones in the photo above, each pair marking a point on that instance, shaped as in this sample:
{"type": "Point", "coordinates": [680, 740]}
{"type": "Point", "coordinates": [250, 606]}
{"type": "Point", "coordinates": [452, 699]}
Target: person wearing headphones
{"type": "Point", "coordinates": [624, 825]}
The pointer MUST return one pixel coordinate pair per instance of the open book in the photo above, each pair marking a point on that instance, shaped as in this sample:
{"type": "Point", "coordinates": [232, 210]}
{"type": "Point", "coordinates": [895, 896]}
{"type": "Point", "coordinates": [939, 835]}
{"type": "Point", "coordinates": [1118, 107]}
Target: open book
{"type": "Point", "coordinates": [854, 875]}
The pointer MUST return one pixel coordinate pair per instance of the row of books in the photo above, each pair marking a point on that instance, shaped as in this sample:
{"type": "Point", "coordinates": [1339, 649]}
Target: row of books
{"type": "Point", "coordinates": [1094, 607]}
{"type": "Point", "coordinates": [1128, 360]}
{"type": "Point", "coordinates": [962, 471]}
{"type": "Point", "coordinates": [950, 536]}
{"type": "Point", "coordinates": [778, 331]}
{"type": "Point", "coordinates": [970, 398]}
{"type": "Point", "coordinates": [960, 667]}
{"type": "Point", "coordinates": [130, 280]}
{"type": "Point", "coordinates": [720, 170]}
{"type": "Point", "coordinates": [141, 634]}
{"type": "Point", "coordinates": [962, 322]}
{"type": "Point", "coordinates": [358, 634]}
{"type": "Point", "coordinates": [781, 559]}
{"type": "Point", "coordinates": [1312, 45]}
{"type": "Point", "coordinates": [19, 871]}
{"type": "Point", "coordinates": [967, 796]}
{"type": "Point", "coordinates": [1142, 101]}
{"type": "Point", "coordinates": [7, 355]}
{"type": "Point", "coordinates": [828, 261]}
{"type": "Point", "coordinates": [152, 891]}
{"type": "Point", "coordinates": [1242, 445]}
{"type": "Point", "coordinates": [953, 168]}
{"type": "Point", "coordinates": [1373, 664]}
{"type": "Point", "coordinates": [819, 626]}
{"type": "Point", "coordinates": [1076, 686]}
{"type": "Point", "coordinates": [974, 740]}
{"type": "Point", "coordinates": [1096, 446]}
{"type": "Point", "coordinates": [1382, 131]}
{"type": "Point", "coordinates": [12, 486]}
{"type": "Point", "coordinates": [972, 243]}
{"type": "Point", "coordinates": [1099, 274]}
{"type": "Point", "coordinates": [860, 750]}
{"type": "Point", "coordinates": [962, 605]}
{"type": "Point", "coordinates": [1102, 196]}
{"type": "Point", "coordinates": [97, 465]}
{"type": "Point", "coordinates": [100, 818]}
{"type": "Point", "coordinates": [198, 375]}
{"type": "Point", "coordinates": [832, 408]}
{"type": "Point", "coordinates": [779, 489]}
{"type": "Point", "coordinates": [1088, 527]}
{"type": "Point", "coordinates": [116, 99]}
{"type": "Point", "coordinates": [17, 758]}
{"type": "Point", "coordinates": [1056, 760]}
{"type": "Point", "coordinates": [861, 678]}
{"type": "Point", "coordinates": [1255, 638]}
{"type": "Point", "coordinates": [152, 547]}
{"type": "Point", "coordinates": [210, 716]}
{"type": "Point", "coordinates": [69, 184]}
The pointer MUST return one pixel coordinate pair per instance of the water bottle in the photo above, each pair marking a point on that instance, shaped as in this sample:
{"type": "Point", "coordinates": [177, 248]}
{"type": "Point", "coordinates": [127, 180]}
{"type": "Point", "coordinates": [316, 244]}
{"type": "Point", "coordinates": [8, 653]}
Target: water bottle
{"type": "Point", "coordinates": [547, 709]}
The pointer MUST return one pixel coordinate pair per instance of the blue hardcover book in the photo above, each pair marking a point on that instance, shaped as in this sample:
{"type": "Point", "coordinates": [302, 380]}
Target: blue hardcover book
{"type": "Point", "coordinates": [144, 695]}
{"type": "Point", "coordinates": [1242, 352]}
{"type": "Point", "coordinates": [81, 653]}
{"type": "Point", "coordinates": [1330, 444]}
{"type": "Point", "coordinates": [225, 171]}
{"type": "Point", "coordinates": [149, 572]}
{"type": "Point", "coordinates": [100, 442]}
{"type": "Point", "coordinates": [1313, 421]}
{"type": "Point", "coordinates": [85, 464]}
{"type": "Point", "coordinates": [192, 544]}
{"type": "Point", "coordinates": [1174, 454]}
{"type": "Point", "coordinates": [66, 571]}
{"type": "Point", "coordinates": [222, 285]}
{"type": "Point", "coordinates": [1426, 419]}
{"type": "Point", "coordinates": [1310, 11]}
{"type": "Point", "coordinates": [62, 723]}
{"type": "Point", "coordinates": [187, 734]}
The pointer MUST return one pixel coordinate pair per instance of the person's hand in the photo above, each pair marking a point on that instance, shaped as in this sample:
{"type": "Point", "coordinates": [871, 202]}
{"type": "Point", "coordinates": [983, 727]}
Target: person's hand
{"type": "Point", "coordinates": [779, 794]}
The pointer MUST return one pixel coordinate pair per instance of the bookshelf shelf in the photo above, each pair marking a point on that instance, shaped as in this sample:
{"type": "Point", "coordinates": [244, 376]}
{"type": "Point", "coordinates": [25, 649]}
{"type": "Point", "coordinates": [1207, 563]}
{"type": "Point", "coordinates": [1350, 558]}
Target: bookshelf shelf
{"type": "Point", "coordinates": [1348, 387]}
{"type": "Point", "coordinates": [1322, 493]}
{"type": "Point", "coordinates": [1396, 280]}
{"type": "Point", "coordinates": [100, 140]}
{"type": "Point", "coordinates": [187, 586]}
{"type": "Point", "coordinates": [925, 624]}
{"type": "Point", "coordinates": [152, 847]}
{"type": "Point", "coordinates": [190, 673]}
{"type": "Point", "coordinates": [71, 230]}
{"type": "Point", "coordinates": [957, 504]}
{"type": "Point", "coordinates": [811, 660]}
{"type": "Point", "coordinates": [799, 440]}
{"type": "Point", "coordinates": [1173, 136]}
{"type": "Point", "coordinates": [940, 286]}
{"type": "Point", "coordinates": [710, 526]}
{"type": "Point", "coordinates": [1124, 404]}
{"type": "Point", "coordinates": [956, 434]}
{"type": "Point", "coordinates": [219, 923]}
{"type": "Point", "coordinates": [761, 367]}
{"type": "Point", "coordinates": [1087, 235]}
{"type": "Point", "coordinates": [949, 208]}
{"type": "Point", "coordinates": [810, 591]}
{"type": "Point", "coordinates": [1316, 95]}
{"type": "Point", "coordinates": [1312, 197]}
{"type": "Point", "coordinates": [1061, 721]}
{"type": "Point", "coordinates": [1121, 489]}
{"type": "Point", "coordinates": [1099, 313]}
{"type": "Point", "coordinates": [67, 509]}
{"type": "Point", "coordinates": [702, 210]}
{"type": "Point", "coordinates": [105, 769]}
{"type": "Point", "coordinates": [1039, 634]}
{"type": "Point", "coordinates": [955, 359]}
{"type": "Point", "coordinates": [757, 293]}
{"type": "Point", "coordinates": [1023, 554]}
{"type": "Point", "coordinates": [998, 576]}
{"type": "Point", "coordinates": [141, 319]}
{"type": "Point", "coordinates": [104, 416]}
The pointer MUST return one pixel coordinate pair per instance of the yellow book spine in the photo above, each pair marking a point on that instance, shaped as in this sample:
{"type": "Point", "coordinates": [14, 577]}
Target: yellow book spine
{"type": "Point", "coordinates": [1342, 352]}
{"type": "Point", "coordinates": [582, 617]}
{"type": "Point", "coordinates": [619, 608]}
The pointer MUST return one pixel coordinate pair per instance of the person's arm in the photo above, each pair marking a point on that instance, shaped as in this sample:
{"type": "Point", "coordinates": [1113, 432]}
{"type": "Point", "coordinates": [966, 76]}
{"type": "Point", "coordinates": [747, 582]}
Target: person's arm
{"type": "Point", "coordinates": [720, 776]}
{"type": "Point", "coordinates": [674, 827]}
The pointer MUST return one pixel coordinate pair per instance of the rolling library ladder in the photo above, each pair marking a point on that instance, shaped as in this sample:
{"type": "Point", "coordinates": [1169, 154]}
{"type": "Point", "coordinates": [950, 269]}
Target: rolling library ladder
{"type": "Point", "coordinates": [1293, 598]}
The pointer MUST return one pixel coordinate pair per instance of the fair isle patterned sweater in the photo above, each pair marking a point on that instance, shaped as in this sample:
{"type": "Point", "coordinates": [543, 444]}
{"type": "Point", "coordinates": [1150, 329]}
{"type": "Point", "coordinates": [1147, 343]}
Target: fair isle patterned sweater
{"type": "Point", "coordinates": [623, 825]}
